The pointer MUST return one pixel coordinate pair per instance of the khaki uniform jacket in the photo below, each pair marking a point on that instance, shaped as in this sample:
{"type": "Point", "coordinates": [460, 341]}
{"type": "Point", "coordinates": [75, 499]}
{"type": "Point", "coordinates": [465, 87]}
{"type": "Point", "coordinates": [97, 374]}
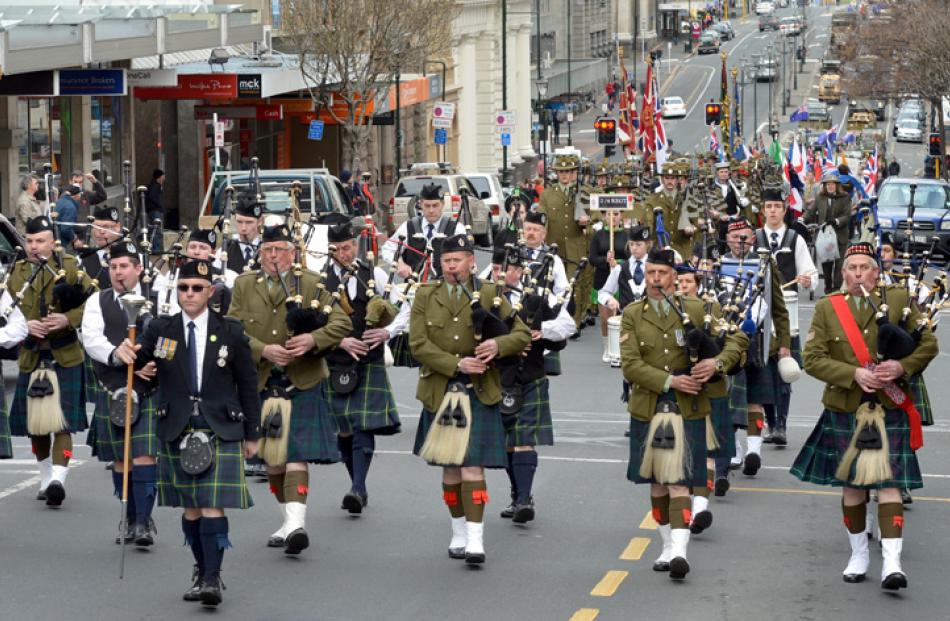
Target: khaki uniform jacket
{"type": "Point", "coordinates": [69, 355]}
{"type": "Point", "coordinates": [262, 311]}
{"type": "Point", "coordinates": [440, 334]}
{"type": "Point", "coordinates": [828, 355]}
{"type": "Point", "coordinates": [649, 354]}
{"type": "Point", "coordinates": [572, 239]}
{"type": "Point", "coordinates": [679, 241]}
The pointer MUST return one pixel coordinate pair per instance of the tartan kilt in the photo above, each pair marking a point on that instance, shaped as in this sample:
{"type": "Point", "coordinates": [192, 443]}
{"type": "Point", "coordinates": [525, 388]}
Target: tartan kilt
{"type": "Point", "coordinates": [763, 385]}
{"type": "Point", "coordinates": [918, 392]}
{"type": "Point", "coordinates": [312, 433]}
{"type": "Point", "coordinates": [371, 407]}
{"type": "Point", "coordinates": [486, 444]}
{"type": "Point", "coordinates": [110, 439]}
{"type": "Point", "coordinates": [738, 401]}
{"type": "Point", "coordinates": [532, 425]}
{"type": "Point", "coordinates": [721, 419]}
{"type": "Point", "coordinates": [72, 398]}
{"type": "Point", "coordinates": [222, 486]}
{"type": "Point", "coordinates": [695, 454]}
{"type": "Point", "coordinates": [402, 354]}
{"type": "Point", "coordinates": [93, 388]}
{"type": "Point", "coordinates": [6, 445]}
{"type": "Point", "coordinates": [824, 448]}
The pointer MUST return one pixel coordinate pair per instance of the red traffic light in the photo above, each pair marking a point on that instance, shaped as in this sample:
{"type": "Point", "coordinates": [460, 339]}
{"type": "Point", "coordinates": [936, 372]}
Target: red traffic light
{"type": "Point", "coordinates": [936, 144]}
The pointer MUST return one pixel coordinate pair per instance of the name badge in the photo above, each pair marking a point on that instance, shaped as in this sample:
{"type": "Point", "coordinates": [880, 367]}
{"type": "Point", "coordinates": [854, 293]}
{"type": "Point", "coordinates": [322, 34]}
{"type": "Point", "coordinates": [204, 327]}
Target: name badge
{"type": "Point", "coordinates": [680, 339]}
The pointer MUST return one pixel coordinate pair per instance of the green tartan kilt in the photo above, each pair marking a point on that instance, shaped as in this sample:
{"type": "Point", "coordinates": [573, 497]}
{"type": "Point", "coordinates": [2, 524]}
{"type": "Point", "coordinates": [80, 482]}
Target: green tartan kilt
{"type": "Point", "coordinates": [371, 407]}
{"type": "Point", "coordinates": [222, 486]}
{"type": "Point", "coordinates": [918, 392]}
{"type": "Point", "coordinates": [402, 354]}
{"type": "Point", "coordinates": [93, 388]}
{"type": "Point", "coordinates": [694, 456]}
{"type": "Point", "coordinates": [6, 445]}
{"type": "Point", "coordinates": [72, 399]}
{"type": "Point", "coordinates": [763, 385]}
{"type": "Point", "coordinates": [824, 448]}
{"type": "Point", "coordinates": [738, 400]}
{"type": "Point", "coordinates": [532, 425]}
{"type": "Point", "coordinates": [721, 420]}
{"type": "Point", "coordinates": [312, 433]}
{"type": "Point", "coordinates": [110, 439]}
{"type": "Point", "coordinates": [486, 444]}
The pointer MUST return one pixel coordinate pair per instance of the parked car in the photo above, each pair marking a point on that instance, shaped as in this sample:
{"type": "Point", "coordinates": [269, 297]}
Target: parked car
{"type": "Point", "coordinates": [905, 117]}
{"type": "Point", "coordinates": [817, 110]}
{"type": "Point", "coordinates": [764, 8]}
{"type": "Point", "coordinates": [766, 70]}
{"type": "Point", "coordinates": [768, 22]}
{"type": "Point", "coordinates": [931, 215]}
{"type": "Point", "coordinates": [725, 31]}
{"type": "Point", "coordinates": [709, 43]}
{"type": "Point", "coordinates": [489, 190]}
{"type": "Point", "coordinates": [458, 192]}
{"type": "Point", "coordinates": [909, 130]}
{"type": "Point", "coordinates": [672, 107]}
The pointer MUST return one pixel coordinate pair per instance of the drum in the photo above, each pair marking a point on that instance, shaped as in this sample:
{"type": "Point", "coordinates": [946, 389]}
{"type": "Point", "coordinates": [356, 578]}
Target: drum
{"type": "Point", "coordinates": [613, 340]}
{"type": "Point", "coordinates": [791, 303]}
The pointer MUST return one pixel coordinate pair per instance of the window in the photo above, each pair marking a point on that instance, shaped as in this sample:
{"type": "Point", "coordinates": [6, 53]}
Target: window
{"type": "Point", "coordinates": [106, 143]}
{"type": "Point", "coordinates": [41, 117]}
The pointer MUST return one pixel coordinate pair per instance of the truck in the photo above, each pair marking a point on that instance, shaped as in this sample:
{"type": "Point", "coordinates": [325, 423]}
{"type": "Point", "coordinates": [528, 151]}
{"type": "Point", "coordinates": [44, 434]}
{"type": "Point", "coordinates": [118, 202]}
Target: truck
{"type": "Point", "coordinates": [829, 88]}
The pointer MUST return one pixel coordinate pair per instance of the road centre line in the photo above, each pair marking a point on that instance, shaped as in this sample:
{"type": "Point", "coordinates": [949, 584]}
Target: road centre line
{"type": "Point", "coordinates": [609, 584]}
{"type": "Point", "coordinates": [648, 523]}
{"type": "Point", "coordinates": [22, 485]}
{"type": "Point", "coordinates": [585, 614]}
{"type": "Point", "coordinates": [712, 74]}
{"type": "Point", "coordinates": [635, 549]}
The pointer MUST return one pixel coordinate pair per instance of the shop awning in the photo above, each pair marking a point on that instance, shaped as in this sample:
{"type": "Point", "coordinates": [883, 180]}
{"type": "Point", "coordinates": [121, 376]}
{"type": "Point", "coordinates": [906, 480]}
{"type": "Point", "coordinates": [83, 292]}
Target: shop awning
{"type": "Point", "coordinates": [683, 5]}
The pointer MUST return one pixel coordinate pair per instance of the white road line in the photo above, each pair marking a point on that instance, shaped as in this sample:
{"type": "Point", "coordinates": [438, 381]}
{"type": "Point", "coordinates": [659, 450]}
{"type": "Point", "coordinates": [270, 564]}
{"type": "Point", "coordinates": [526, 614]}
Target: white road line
{"type": "Point", "coordinates": [712, 74]}
{"type": "Point", "coordinates": [22, 485]}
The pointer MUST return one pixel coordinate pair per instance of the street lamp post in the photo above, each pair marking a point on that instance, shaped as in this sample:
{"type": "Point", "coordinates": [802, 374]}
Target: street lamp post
{"type": "Point", "coordinates": [784, 80]}
{"type": "Point", "coordinates": [755, 99]}
{"type": "Point", "coordinates": [542, 85]}
{"type": "Point", "coordinates": [505, 173]}
{"type": "Point", "coordinates": [744, 66]}
{"type": "Point", "coordinates": [570, 113]}
{"type": "Point", "coordinates": [769, 49]}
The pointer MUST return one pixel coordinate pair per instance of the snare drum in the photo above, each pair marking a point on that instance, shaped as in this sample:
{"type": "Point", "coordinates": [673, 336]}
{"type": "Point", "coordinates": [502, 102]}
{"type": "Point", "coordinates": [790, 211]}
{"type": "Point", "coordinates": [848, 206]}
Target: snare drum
{"type": "Point", "coordinates": [791, 303]}
{"type": "Point", "coordinates": [613, 340]}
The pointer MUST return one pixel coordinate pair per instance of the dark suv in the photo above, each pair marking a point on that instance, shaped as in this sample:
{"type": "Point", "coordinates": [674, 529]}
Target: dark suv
{"type": "Point", "coordinates": [768, 22]}
{"type": "Point", "coordinates": [931, 211]}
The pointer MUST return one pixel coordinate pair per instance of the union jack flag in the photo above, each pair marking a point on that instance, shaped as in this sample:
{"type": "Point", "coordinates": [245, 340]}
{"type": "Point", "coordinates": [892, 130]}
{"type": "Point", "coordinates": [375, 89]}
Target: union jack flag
{"type": "Point", "coordinates": [870, 173]}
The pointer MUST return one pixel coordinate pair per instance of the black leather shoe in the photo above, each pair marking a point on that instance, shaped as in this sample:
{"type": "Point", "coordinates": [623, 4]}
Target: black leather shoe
{"type": "Point", "coordinates": [767, 436]}
{"type": "Point", "coordinates": [474, 559]}
{"type": "Point", "coordinates": [906, 498]}
{"type": "Point", "coordinates": [41, 495]}
{"type": "Point", "coordinates": [853, 578]}
{"type": "Point", "coordinates": [894, 582]}
{"type": "Point", "coordinates": [722, 486]}
{"type": "Point", "coordinates": [661, 566]}
{"type": "Point", "coordinates": [194, 593]}
{"type": "Point", "coordinates": [55, 494]}
{"type": "Point", "coordinates": [679, 567]}
{"type": "Point", "coordinates": [129, 533]}
{"type": "Point", "coordinates": [508, 511]}
{"type": "Point", "coordinates": [752, 464]}
{"type": "Point", "coordinates": [457, 553]}
{"type": "Point", "coordinates": [210, 593]}
{"type": "Point", "coordinates": [143, 534]}
{"type": "Point", "coordinates": [523, 513]}
{"type": "Point", "coordinates": [353, 503]}
{"type": "Point", "coordinates": [296, 542]}
{"type": "Point", "coordinates": [576, 335]}
{"type": "Point", "coordinates": [701, 521]}
{"type": "Point", "coordinates": [779, 438]}
{"type": "Point", "coordinates": [275, 542]}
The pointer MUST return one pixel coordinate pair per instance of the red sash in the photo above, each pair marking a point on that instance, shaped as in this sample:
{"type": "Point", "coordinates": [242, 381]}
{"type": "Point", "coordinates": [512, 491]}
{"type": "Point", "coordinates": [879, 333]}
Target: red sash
{"type": "Point", "coordinates": [892, 390]}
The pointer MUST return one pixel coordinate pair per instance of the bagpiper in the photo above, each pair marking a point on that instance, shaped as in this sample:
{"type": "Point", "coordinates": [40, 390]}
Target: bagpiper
{"type": "Point", "coordinates": [461, 428]}
{"type": "Point", "coordinates": [243, 251]}
{"type": "Point", "coordinates": [869, 432]}
{"type": "Point", "coordinates": [292, 323]}
{"type": "Point", "coordinates": [208, 420]}
{"type": "Point", "coordinates": [106, 230]}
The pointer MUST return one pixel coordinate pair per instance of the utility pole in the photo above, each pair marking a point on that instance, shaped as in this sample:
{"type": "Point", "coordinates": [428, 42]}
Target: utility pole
{"type": "Point", "coordinates": [505, 173]}
{"type": "Point", "coordinates": [570, 100]}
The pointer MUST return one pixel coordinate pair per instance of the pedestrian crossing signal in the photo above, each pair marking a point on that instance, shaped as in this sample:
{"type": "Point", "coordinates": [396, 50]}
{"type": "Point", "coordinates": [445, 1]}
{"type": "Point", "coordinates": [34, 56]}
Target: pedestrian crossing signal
{"type": "Point", "coordinates": [713, 113]}
{"type": "Point", "coordinates": [606, 128]}
{"type": "Point", "coordinates": [936, 144]}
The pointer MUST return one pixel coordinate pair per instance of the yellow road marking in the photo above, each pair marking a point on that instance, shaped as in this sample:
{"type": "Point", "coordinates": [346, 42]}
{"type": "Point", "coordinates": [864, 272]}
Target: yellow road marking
{"type": "Point", "coordinates": [635, 549]}
{"type": "Point", "coordinates": [648, 522]}
{"type": "Point", "coordinates": [585, 614]}
{"type": "Point", "coordinates": [785, 490]}
{"type": "Point", "coordinates": [609, 583]}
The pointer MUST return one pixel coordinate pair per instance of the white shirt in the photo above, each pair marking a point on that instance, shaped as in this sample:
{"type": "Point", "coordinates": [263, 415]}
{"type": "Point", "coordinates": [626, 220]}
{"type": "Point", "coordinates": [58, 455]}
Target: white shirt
{"type": "Point", "coordinates": [93, 334]}
{"type": "Point", "coordinates": [201, 336]}
{"type": "Point", "coordinates": [612, 284]}
{"type": "Point", "coordinates": [557, 329]}
{"type": "Point", "coordinates": [803, 262]}
{"type": "Point", "coordinates": [16, 329]}
{"type": "Point", "coordinates": [560, 275]}
{"type": "Point", "coordinates": [380, 278]}
{"type": "Point", "coordinates": [388, 252]}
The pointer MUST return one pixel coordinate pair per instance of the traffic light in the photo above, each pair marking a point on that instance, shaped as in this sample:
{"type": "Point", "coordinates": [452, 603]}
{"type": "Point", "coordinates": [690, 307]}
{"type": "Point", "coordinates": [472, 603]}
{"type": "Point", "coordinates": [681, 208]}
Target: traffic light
{"type": "Point", "coordinates": [713, 113]}
{"type": "Point", "coordinates": [936, 144]}
{"type": "Point", "coordinates": [606, 128]}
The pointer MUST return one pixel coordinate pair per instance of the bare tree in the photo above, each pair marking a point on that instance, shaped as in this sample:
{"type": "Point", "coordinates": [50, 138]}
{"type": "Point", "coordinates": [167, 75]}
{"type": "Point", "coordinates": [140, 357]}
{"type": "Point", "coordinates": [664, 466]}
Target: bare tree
{"type": "Point", "coordinates": [351, 51]}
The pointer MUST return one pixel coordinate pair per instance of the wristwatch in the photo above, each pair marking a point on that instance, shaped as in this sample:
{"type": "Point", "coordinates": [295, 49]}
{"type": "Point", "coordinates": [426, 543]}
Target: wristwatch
{"type": "Point", "coordinates": [720, 367]}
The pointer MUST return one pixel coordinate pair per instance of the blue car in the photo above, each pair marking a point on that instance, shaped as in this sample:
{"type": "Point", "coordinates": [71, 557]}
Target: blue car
{"type": "Point", "coordinates": [931, 211]}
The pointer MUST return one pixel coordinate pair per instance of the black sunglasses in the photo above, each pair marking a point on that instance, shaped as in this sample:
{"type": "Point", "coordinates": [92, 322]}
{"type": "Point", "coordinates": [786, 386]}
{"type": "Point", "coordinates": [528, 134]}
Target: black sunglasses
{"type": "Point", "coordinates": [194, 288]}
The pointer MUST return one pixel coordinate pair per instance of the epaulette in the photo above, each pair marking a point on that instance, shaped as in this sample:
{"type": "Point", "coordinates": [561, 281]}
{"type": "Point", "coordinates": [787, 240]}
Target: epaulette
{"type": "Point", "coordinates": [233, 324]}
{"type": "Point", "coordinates": [245, 275]}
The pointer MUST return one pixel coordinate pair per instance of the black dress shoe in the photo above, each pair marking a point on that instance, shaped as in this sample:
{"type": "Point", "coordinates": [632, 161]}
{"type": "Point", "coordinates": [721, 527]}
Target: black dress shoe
{"type": "Point", "coordinates": [679, 567]}
{"type": "Point", "coordinates": [576, 335]}
{"type": "Point", "coordinates": [296, 542]}
{"type": "Point", "coordinates": [41, 495]}
{"type": "Point", "coordinates": [353, 502]}
{"type": "Point", "coordinates": [55, 494]}
{"type": "Point", "coordinates": [906, 498]}
{"type": "Point", "coordinates": [661, 566]}
{"type": "Point", "coordinates": [509, 511]}
{"type": "Point", "coordinates": [194, 593]}
{"type": "Point", "coordinates": [894, 582]}
{"type": "Point", "coordinates": [767, 436]}
{"type": "Point", "coordinates": [474, 559]}
{"type": "Point", "coordinates": [457, 553]}
{"type": "Point", "coordinates": [129, 533]}
{"type": "Point", "coordinates": [701, 521]}
{"type": "Point", "coordinates": [210, 593]}
{"type": "Point", "coordinates": [779, 438]}
{"type": "Point", "coordinates": [722, 486]}
{"type": "Point", "coordinates": [853, 578]}
{"type": "Point", "coordinates": [275, 542]}
{"type": "Point", "coordinates": [523, 513]}
{"type": "Point", "coordinates": [143, 533]}
{"type": "Point", "coordinates": [752, 464]}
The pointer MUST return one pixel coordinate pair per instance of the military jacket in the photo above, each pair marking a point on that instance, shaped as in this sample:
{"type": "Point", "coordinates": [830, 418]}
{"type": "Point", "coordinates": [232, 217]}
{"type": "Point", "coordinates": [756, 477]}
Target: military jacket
{"type": "Point", "coordinates": [672, 213]}
{"type": "Point", "coordinates": [571, 238]}
{"type": "Point", "coordinates": [260, 306]}
{"type": "Point", "coordinates": [652, 347]}
{"type": "Point", "coordinates": [828, 355]}
{"type": "Point", "coordinates": [441, 333]}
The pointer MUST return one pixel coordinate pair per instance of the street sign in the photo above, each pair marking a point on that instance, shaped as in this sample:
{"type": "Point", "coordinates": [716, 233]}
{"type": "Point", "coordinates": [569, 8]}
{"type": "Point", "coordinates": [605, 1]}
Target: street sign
{"type": "Point", "coordinates": [505, 118]}
{"type": "Point", "coordinates": [570, 117]}
{"type": "Point", "coordinates": [315, 132]}
{"type": "Point", "coordinates": [605, 202]}
{"type": "Point", "coordinates": [506, 140]}
{"type": "Point", "coordinates": [505, 129]}
{"type": "Point", "coordinates": [441, 136]}
{"type": "Point", "coordinates": [443, 110]}
{"type": "Point", "coordinates": [441, 123]}
{"type": "Point", "coordinates": [219, 134]}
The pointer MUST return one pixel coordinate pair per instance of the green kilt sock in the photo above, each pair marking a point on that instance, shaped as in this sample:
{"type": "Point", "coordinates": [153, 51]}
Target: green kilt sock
{"type": "Point", "coordinates": [276, 482]}
{"type": "Point", "coordinates": [680, 513]}
{"type": "Point", "coordinates": [41, 446]}
{"type": "Point", "coordinates": [474, 499]}
{"type": "Point", "coordinates": [452, 495]}
{"type": "Point", "coordinates": [890, 517]}
{"type": "Point", "coordinates": [661, 509]}
{"type": "Point", "coordinates": [855, 517]}
{"type": "Point", "coordinates": [297, 486]}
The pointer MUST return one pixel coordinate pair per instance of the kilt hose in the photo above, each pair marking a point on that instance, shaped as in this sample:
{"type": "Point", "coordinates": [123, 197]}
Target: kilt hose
{"type": "Point", "coordinates": [222, 486]}
{"type": "Point", "coordinates": [486, 444]}
{"type": "Point", "coordinates": [110, 438]}
{"type": "Point", "coordinates": [72, 398]}
{"type": "Point", "coordinates": [822, 452]}
{"type": "Point", "coordinates": [312, 434]}
{"type": "Point", "coordinates": [695, 454]}
{"type": "Point", "coordinates": [532, 425]}
{"type": "Point", "coordinates": [371, 407]}
{"type": "Point", "coordinates": [721, 420]}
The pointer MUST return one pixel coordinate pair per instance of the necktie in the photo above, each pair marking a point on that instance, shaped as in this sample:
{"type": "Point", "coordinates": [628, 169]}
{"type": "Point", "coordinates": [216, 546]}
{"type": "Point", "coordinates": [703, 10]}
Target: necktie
{"type": "Point", "coordinates": [774, 243]}
{"type": "Point", "coordinates": [247, 254]}
{"type": "Point", "coordinates": [192, 357]}
{"type": "Point", "coordinates": [638, 273]}
{"type": "Point", "coordinates": [430, 231]}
